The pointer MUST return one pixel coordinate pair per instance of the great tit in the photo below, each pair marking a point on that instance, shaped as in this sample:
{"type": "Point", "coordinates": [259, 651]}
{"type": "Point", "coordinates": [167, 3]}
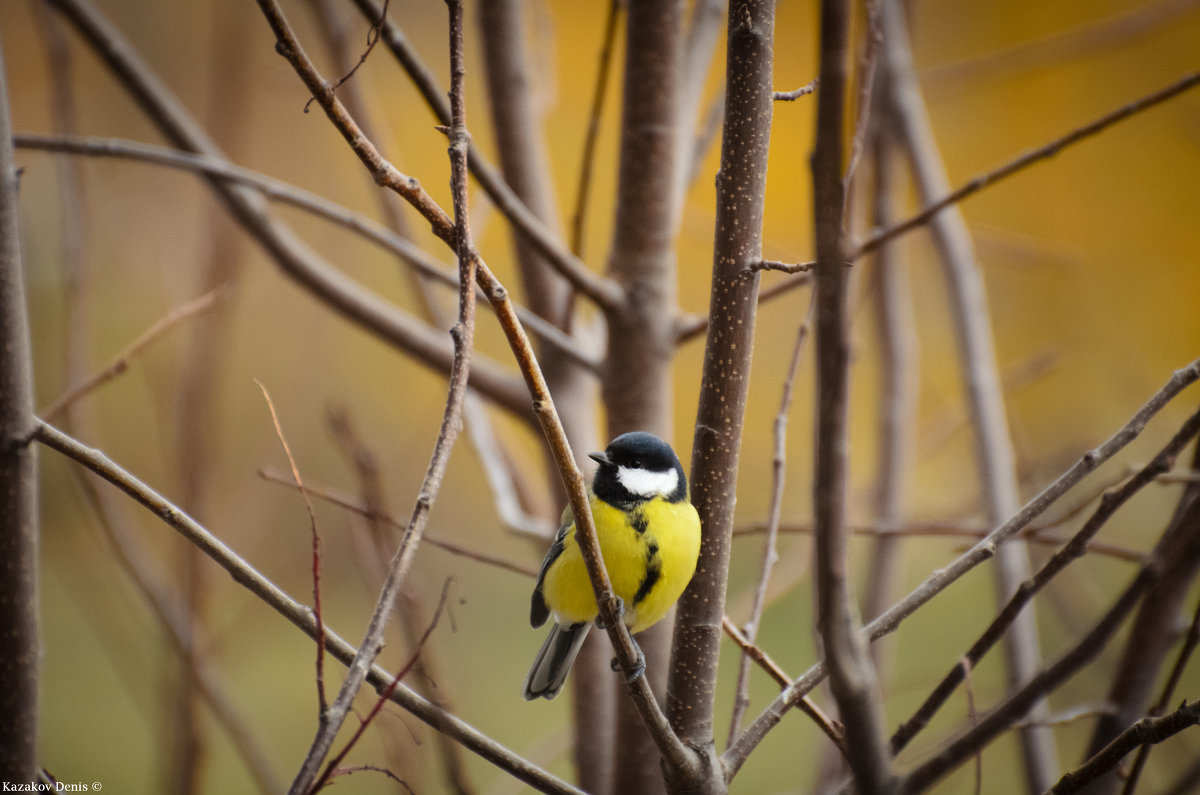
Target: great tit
{"type": "Point", "coordinates": [649, 535]}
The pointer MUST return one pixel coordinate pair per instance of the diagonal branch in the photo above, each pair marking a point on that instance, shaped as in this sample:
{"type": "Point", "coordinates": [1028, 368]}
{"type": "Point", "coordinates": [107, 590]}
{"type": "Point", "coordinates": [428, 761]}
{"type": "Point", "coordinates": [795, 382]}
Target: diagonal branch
{"type": "Point", "coordinates": [295, 612]}
{"type": "Point", "coordinates": [941, 579]}
{"type": "Point", "coordinates": [603, 291]}
{"type": "Point", "coordinates": [1025, 160]}
{"type": "Point", "coordinates": [1073, 550]}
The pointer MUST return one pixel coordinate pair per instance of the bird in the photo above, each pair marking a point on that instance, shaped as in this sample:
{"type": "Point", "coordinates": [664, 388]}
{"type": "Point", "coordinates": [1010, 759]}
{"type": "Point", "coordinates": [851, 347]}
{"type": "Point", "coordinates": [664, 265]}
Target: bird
{"type": "Point", "coordinates": [649, 536]}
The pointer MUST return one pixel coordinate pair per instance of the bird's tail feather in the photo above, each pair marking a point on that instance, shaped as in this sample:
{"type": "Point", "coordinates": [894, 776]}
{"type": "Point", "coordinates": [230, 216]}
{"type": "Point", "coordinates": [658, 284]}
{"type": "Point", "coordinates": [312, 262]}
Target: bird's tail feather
{"type": "Point", "coordinates": [554, 661]}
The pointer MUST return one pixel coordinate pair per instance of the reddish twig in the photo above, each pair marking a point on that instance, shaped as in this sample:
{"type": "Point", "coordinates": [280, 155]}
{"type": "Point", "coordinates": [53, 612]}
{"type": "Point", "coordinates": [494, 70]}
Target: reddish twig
{"type": "Point", "coordinates": [316, 550]}
{"type": "Point", "coordinates": [386, 695]}
{"type": "Point", "coordinates": [372, 40]}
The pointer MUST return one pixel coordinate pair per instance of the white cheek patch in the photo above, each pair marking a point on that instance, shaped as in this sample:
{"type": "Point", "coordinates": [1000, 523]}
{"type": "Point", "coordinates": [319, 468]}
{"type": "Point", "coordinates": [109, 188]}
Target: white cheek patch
{"type": "Point", "coordinates": [645, 483]}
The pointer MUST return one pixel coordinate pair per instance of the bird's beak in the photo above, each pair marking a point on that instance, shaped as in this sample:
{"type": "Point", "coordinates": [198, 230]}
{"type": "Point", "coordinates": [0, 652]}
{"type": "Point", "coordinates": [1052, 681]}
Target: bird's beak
{"type": "Point", "coordinates": [600, 458]}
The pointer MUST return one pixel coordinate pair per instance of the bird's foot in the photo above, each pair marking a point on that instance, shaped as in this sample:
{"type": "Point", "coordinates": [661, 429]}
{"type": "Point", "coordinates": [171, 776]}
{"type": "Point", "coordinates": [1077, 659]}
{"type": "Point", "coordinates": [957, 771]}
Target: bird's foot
{"type": "Point", "coordinates": [637, 671]}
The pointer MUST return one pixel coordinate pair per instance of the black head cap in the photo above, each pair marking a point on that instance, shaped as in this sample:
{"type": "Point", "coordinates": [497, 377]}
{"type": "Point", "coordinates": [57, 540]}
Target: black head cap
{"type": "Point", "coordinates": [618, 482]}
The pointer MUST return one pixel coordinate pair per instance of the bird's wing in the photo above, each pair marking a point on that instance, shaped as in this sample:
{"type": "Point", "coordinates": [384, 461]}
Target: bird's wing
{"type": "Point", "coordinates": [539, 611]}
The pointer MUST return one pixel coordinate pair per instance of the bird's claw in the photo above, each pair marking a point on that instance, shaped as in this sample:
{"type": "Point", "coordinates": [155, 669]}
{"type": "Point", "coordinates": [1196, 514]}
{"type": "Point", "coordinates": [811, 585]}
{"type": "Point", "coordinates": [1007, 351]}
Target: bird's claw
{"type": "Point", "coordinates": [620, 614]}
{"type": "Point", "coordinates": [639, 667]}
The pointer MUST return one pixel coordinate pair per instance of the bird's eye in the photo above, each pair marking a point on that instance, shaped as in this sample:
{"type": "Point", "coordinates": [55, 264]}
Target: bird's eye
{"type": "Point", "coordinates": [635, 464]}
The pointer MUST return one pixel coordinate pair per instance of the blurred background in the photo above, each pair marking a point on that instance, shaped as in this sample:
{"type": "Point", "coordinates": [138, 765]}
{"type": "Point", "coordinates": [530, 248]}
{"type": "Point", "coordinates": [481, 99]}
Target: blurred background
{"type": "Point", "coordinates": [1092, 266]}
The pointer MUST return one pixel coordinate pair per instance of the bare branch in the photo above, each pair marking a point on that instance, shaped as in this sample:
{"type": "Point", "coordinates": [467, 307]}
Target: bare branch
{"type": "Point", "coordinates": [1023, 161]}
{"type": "Point", "coordinates": [322, 703]}
{"type": "Point", "coordinates": [603, 291]}
{"type": "Point", "coordinates": [289, 194]}
{"type": "Point", "coordinates": [741, 184]}
{"type": "Point", "coordinates": [124, 357]}
{"type": "Point", "coordinates": [295, 612]}
{"type": "Point", "coordinates": [851, 670]}
{"type": "Point", "coordinates": [1146, 732]}
{"type": "Point", "coordinates": [19, 521]}
{"type": "Point", "coordinates": [941, 579]}
{"type": "Point", "coordinates": [1075, 549]}
{"type": "Point", "coordinates": [463, 334]}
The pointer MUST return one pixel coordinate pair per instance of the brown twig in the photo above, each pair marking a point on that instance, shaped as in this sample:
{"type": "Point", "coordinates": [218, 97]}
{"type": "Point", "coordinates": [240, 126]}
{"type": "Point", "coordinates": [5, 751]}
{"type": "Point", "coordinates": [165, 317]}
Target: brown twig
{"type": "Point", "coordinates": [1190, 642]}
{"type": "Point", "coordinates": [372, 40]}
{"type": "Point", "coordinates": [795, 94]}
{"type": "Point", "coordinates": [322, 703]}
{"type": "Point", "coordinates": [587, 158]}
{"type": "Point", "coordinates": [386, 695]}
{"type": "Point", "coordinates": [831, 728]}
{"type": "Point", "coordinates": [1025, 160]}
{"type": "Point", "coordinates": [782, 267]}
{"type": "Point", "coordinates": [775, 509]}
{"type": "Point", "coordinates": [121, 361]}
{"type": "Point", "coordinates": [1148, 731]}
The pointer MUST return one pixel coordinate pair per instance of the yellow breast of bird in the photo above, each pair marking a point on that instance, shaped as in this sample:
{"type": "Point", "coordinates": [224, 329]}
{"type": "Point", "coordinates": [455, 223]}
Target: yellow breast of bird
{"type": "Point", "coordinates": [650, 554]}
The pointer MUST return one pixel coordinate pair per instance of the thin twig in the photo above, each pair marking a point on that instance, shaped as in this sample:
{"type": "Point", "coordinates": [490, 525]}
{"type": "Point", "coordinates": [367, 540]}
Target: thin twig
{"type": "Point", "coordinates": [587, 158]}
{"type": "Point", "coordinates": [372, 40]}
{"type": "Point", "coordinates": [351, 503]}
{"type": "Point", "coordinates": [120, 363]}
{"type": "Point", "coordinates": [770, 553]}
{"type": "Point", "coordinates": [782, 267]}
{"type": "Point", "coordinates": [386, 695]}
{"type": "Point", "coordinates": [795, 94]}
{"type": "Point", "coordinates": [1190, 641]}
{"type": "Point", "coordinates": [1025, 160]}
{"type": "Point", "coordinates": [831, 728]}
{"type": "Point", "coordinates": [323, 704]}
